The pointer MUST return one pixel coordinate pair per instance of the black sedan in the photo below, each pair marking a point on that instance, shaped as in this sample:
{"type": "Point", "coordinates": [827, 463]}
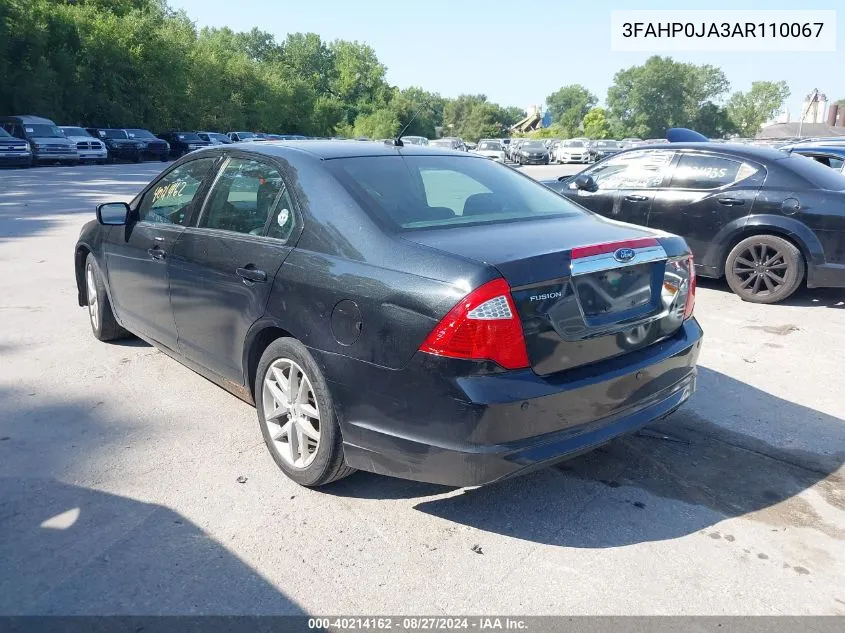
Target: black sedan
{"type": "Point", "coordinates": [154, 147]}
{"type": "Point", "coordinates": [765, 220]}
{"type": "Point", "coordinates": [599, 150]}
{"type": "Point", "coordinates": [832, 156]}
{"type": "Point", "coordinates": [532, 153]}
{"type": "Point", "coordinates": [118, 143]}
{"type": "Point", "coordinates": [409, 311]}
{"type": "Point", "coordinates": [183, 142]}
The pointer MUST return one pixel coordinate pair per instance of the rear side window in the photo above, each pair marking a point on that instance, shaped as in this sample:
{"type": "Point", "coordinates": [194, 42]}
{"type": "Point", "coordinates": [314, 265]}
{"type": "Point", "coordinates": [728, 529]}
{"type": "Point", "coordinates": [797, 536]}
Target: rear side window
{"type": "Point", "coordinates": [814, 172]}
{"type": "Point", "coordinates": [633, 170]}
{"type": "Point", "coordinates": [417, 192]}
{"type": "Point", "coordinates": [698, 171]}
{"type": "Point", "coordinates": [244, 196]}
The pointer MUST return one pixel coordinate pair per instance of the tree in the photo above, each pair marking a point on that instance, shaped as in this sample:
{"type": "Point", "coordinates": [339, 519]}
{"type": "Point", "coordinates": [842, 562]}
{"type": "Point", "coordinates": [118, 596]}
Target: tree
{"type": "Point", "coordinates": [568, 106]}
{"type": "Point", "coordinates": [749, 110]}
{"type": "Point", "coordinates": [663, 93]}
{"type": "Point", "coordinates": [595, 124]}
{"type": "Point", "coordinates": [472, 117]}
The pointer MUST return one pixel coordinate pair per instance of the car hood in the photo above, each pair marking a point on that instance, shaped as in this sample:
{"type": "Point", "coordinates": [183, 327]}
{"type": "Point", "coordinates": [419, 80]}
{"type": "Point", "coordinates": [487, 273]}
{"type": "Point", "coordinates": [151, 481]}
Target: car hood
{"type": "Point", "coordinates": [82, 139]}
{"type": "Point", "coordinates": [49, 140]}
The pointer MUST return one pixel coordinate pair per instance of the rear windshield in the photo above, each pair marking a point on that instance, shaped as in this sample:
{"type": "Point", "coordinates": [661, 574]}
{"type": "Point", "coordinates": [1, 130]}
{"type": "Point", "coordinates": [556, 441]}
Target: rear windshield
{"type": "Point", "coordinates": [246, 135]}
{"type": "Point", "coordinates": [187, 136]}
{"type": "Point", "coordinates": [418, 192]}
{"type": "Point", "coordinates": [817, 174]}
{"type": "Point", "coordinates": [573, 143]}
{"type": "Point", "coordinates": [534, 145]}
{"type": "Point", "coordinates": [490, 145]}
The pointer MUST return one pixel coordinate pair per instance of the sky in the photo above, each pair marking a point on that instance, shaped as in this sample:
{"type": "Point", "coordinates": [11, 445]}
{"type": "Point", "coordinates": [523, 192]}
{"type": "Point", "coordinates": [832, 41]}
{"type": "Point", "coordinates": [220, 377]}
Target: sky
{"type": "Point", "coordinates": [517, 53]}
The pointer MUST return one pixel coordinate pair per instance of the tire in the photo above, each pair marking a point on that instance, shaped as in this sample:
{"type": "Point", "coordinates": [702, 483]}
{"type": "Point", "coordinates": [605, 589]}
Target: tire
{"type": "Point", "coordinates": [103, 324]}
{"type": "Point", "coordinates": [321, 465]}
{"type": "Point", "coordinates": [764, 269]}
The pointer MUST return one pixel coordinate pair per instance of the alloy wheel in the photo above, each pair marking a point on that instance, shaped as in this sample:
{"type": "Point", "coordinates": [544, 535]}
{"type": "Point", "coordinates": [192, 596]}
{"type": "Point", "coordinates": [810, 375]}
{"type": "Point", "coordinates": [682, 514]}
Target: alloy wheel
{"type": "Point", "coordinates": [761, 268]}
{"type": "Point", "coordinates": [93, 303]}
{"type": "Point", "coordinates": [291, 412]}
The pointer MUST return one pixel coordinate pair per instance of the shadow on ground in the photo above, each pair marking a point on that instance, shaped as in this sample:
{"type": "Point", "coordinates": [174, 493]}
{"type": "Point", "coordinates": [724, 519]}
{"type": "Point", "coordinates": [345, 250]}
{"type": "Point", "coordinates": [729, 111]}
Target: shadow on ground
{"type": "Point", "coordinates": [803, 297]}
{"type": "Point", "coordinates": [677, 477]}
{"type": "Point", "coordinates": [68, 550]}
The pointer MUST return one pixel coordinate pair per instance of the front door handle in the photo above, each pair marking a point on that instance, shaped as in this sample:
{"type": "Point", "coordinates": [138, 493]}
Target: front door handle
{"type": "Point", "coordinates": [156, 253]}
{"type": "Point", "coordinates": [731, 202]}
{"type": "Point", "coordinates": [636, 198]}
{"type": "Point", "coordinates": [251, 274]}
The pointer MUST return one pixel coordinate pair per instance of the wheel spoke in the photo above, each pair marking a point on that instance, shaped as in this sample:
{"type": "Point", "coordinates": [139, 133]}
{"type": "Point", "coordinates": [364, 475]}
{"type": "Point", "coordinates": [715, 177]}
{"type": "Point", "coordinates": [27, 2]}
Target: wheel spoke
{"type": "Point", "coordinates": [748, 281]}
{"type": "Point", "coordinates": [768, 283]}
{"type": "Point", "coordinates": [778, 280]}
{"type": "Point", "coordinates": [304, 426]}
{"type": "Point", "coordinates": [293, 383]}
{"type": "Point", "coordinates": [772, 259]}
{"type": "Point", "coordinates": [276, 413]}
{"type": "Point", "coordinates": [756, 287]}
{"type": "Point", "coordinates": [763, 249]}
{"type": "Point", "coordinates": [302, 444]}
{"type": "Point", "coordinates": [745, 262]}
{"type": "Point", "coordinates": [780, 266]}
{"type": "Point", "coordinates": [301, 391]}
{"type": "Point", "coordinates": [310, 410]}
{"type": "Point", "coordinates": [281, 381]}
{"type": "Point", "coordinates": [279, 396]}
{"type": "Point", "coordinates": [282, 431]}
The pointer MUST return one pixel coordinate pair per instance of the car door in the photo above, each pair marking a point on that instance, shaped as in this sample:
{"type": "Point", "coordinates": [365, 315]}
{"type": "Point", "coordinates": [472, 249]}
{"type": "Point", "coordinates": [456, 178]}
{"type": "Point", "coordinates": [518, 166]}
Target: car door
{"type": "Point", "coordinates": [223, 266]}
{"type": "Point", "coordinates": [136, 254]}
{"type": "Point", "coordinates": [706, 192]}
{"type": "Point", "coordinates": [625, 184]}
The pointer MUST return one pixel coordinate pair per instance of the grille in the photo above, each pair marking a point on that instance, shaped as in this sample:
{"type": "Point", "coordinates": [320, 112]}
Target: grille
{"type": "Point", "coordinates": [12, 148]}
{"type": "Point", "coordinates": [54, 149]}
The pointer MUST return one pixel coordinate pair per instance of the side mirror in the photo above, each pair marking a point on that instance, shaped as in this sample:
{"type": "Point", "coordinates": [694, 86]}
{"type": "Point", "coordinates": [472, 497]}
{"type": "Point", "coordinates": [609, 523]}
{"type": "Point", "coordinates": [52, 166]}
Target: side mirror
{"type": "Point", "coordinates": [112, 213]}
{"type": "Point", "coordinates": [585, 182]}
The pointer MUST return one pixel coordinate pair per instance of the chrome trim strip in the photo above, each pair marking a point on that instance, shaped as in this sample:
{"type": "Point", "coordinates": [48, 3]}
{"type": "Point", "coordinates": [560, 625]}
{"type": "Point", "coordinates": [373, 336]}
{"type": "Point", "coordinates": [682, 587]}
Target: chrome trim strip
{"type": "Point", "coordinates": [606, 261]}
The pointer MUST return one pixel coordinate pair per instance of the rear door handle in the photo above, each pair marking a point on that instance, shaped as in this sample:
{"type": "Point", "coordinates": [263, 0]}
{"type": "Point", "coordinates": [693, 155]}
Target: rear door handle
{"type": "Point", "coordinates": [731, 202]}
{"type": "Point", "coordinates": [636, 198]}
{"type": "Point", "coordinates": [249, 274]}
{"type": "Point", "coordinates": [156, 253]}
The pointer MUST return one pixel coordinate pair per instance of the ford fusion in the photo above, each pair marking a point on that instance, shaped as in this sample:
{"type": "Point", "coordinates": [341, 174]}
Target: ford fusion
{"type": "Point", "coordinates": [404, 310]}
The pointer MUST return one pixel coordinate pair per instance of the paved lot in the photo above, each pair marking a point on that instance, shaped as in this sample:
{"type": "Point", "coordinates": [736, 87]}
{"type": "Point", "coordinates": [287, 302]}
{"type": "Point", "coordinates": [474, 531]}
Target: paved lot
{"type": "Point", "coordinates": [119, 475]}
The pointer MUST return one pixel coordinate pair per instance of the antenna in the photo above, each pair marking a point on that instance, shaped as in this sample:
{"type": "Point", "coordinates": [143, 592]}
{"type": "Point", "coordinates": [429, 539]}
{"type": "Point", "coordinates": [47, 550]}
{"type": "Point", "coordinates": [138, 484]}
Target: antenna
{"type": "Point", "coordinates": [397, 142]}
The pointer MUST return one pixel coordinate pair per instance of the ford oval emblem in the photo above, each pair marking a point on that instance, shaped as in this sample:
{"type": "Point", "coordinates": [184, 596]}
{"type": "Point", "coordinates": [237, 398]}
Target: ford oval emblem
{"type": "Point", "coordinates": [624, 255]}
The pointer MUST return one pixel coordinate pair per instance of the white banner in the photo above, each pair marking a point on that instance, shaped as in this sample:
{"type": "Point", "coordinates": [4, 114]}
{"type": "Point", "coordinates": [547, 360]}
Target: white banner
{"type": "Point", "coordinates": [659, 31]}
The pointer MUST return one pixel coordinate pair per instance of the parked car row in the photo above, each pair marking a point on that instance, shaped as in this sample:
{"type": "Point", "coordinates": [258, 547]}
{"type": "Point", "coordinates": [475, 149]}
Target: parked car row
{"type": "Point", "coordinates": [27, 140]}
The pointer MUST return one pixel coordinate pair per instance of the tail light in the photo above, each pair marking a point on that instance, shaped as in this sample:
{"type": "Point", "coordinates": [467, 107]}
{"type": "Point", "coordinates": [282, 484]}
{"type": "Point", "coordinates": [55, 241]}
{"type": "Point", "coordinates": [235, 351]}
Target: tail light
{"type": "Point", "coordinates": [679, 287]}
{"type": "Point", "coordinates": [691, 294]}
{"type": "Point", "coordinates": [484, 325]}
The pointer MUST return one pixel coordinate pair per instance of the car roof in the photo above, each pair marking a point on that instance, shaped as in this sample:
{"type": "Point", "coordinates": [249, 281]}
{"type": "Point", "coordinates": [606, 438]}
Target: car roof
{"type": "Point", "coordinates": [831, 149]}
{"type": "Point", "coordinates": [29, 118]}
{"type": "Point", "coordinates": [752, 152]}
{"type": "Point", "coordinates": [328, 150]}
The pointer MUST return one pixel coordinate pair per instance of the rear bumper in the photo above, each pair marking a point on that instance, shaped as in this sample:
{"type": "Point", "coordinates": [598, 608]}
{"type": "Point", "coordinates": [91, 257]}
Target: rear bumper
{"type": "Point", "coordinates": [428, 423]}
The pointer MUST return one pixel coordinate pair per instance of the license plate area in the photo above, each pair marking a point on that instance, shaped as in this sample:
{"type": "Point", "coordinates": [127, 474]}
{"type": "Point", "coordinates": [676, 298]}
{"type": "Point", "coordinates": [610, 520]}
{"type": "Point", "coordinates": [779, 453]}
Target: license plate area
{"type": "Point", "coordinates": [614, 291]}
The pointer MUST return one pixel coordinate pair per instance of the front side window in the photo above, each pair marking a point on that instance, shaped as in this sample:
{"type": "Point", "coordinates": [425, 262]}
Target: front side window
{"type": "Point", "coordinates": [700, 171]}
{"type": "Point", "coordinates": [632, 170]}
{"type": "Point", "coordinates": [417, 192]}
{"type": "Point", "coordinates": [243, 198]}
{"type": "Point", "coordinates": [169, 200]}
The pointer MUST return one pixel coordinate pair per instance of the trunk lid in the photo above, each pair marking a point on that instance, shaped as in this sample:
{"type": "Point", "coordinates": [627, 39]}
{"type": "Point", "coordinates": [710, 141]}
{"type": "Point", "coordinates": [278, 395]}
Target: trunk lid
{"type": "Point", "coordinates": [586, 289]}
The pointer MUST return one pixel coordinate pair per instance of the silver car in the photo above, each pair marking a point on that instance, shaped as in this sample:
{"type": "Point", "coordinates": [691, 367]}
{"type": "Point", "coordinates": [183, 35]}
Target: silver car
{"type": "Point", "coordinates": [89, 148]}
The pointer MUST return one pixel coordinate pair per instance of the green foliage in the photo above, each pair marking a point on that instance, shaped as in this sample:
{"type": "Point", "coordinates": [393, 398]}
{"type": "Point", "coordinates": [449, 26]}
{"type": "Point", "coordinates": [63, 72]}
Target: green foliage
{"type": "Point", "coordinates": [749, 110]}
{"type": "Point", "coordinates": [596, 125]}
{"type": "Point", "coordinates": [568, 106]}
{"type": "Point", "coordinates": [473, 117]}
{"type": "Point", "coordinates": [663, 93]}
